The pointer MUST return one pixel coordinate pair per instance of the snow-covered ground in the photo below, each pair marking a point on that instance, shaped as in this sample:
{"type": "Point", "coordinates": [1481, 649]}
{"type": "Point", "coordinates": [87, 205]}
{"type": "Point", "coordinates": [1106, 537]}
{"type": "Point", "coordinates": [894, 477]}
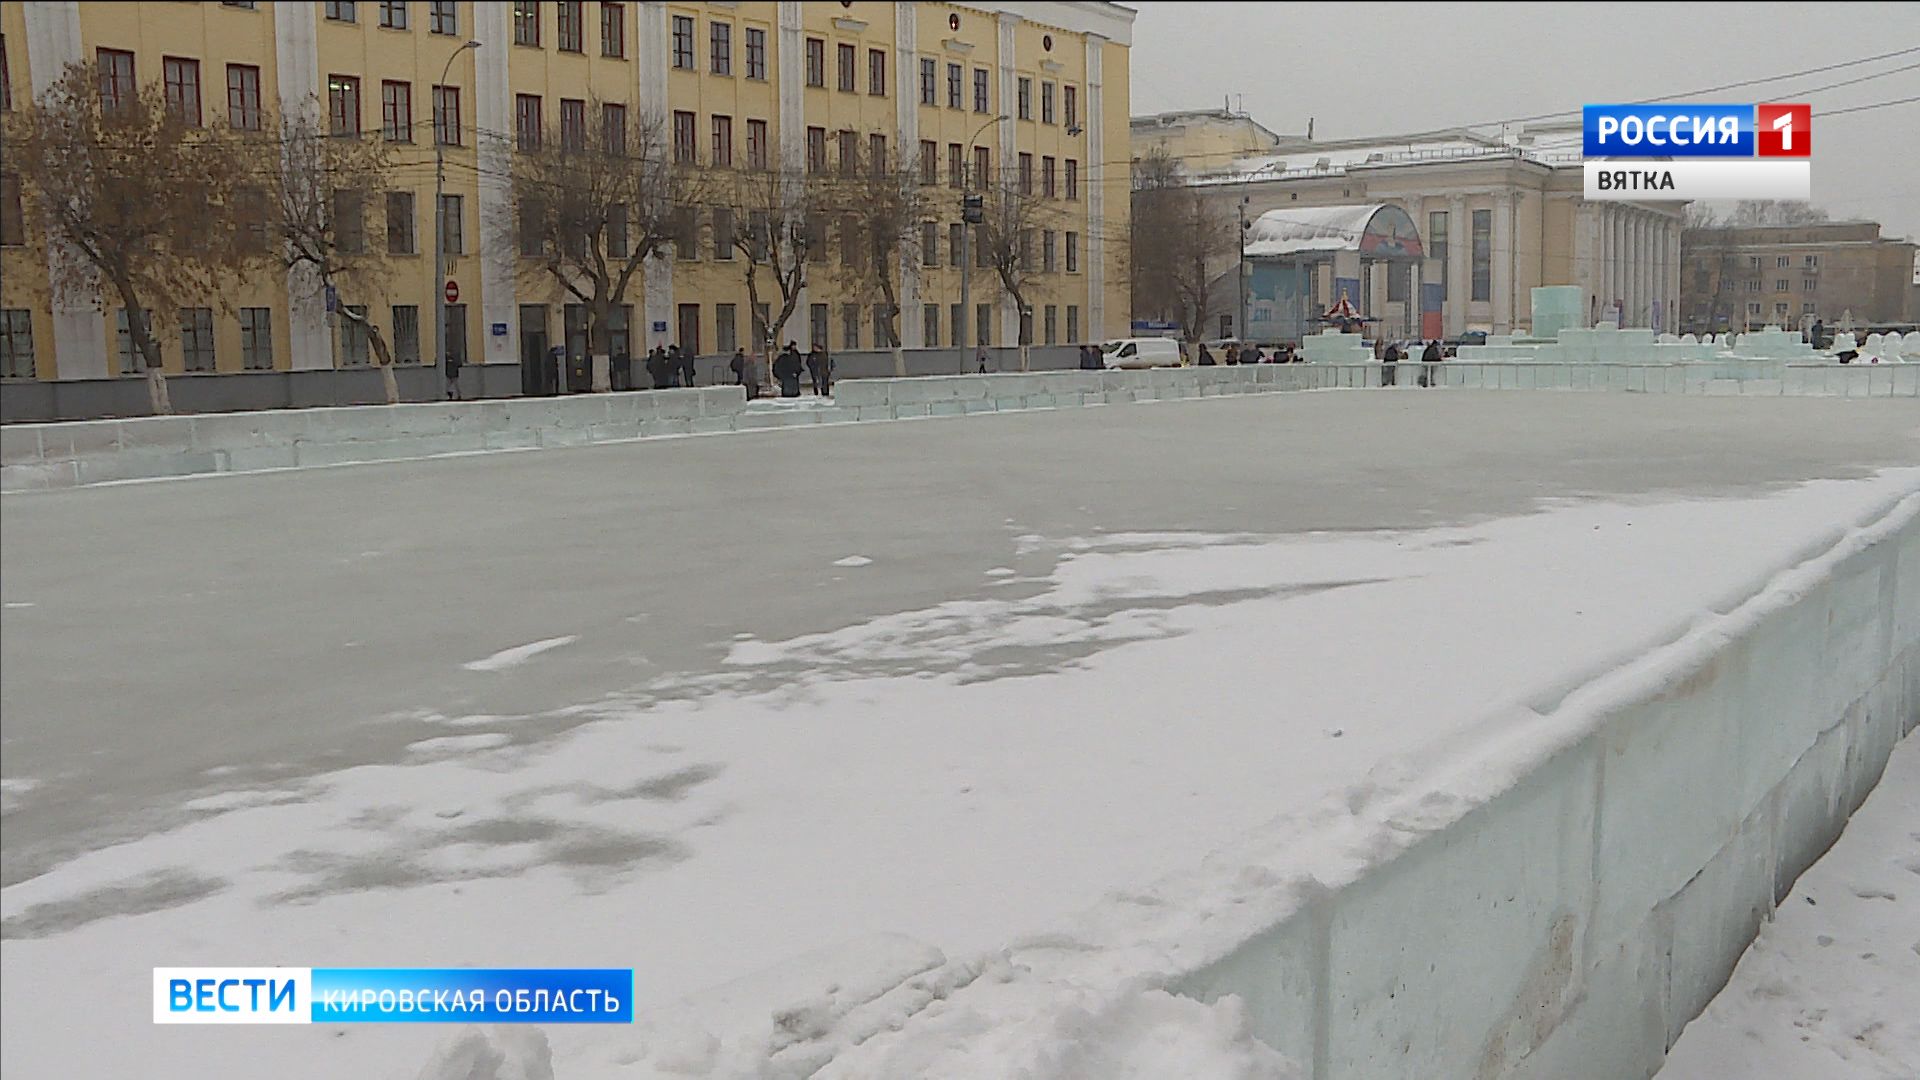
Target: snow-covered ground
{"type": "Point", "coordinates": [829, 830]}
{"type": "Point", "coordinates": [1831, 988]}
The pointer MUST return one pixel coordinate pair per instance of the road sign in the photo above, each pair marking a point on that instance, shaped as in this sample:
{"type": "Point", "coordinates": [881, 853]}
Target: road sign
{"type": "Point", "coordinates": [660, 326]}
{"type": "Point", "coordinates": [333, 299]}
{"type": "Point", "coordinates": [499, 329]}
{"type": "Point", "coordinates": [453, 292]}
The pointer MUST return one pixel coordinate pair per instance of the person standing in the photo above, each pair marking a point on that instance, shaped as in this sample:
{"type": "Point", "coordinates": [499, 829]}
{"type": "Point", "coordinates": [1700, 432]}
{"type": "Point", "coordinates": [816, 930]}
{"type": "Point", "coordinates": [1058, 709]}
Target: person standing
{"type": "Point", "coordinates": [687, 369]}
{"type": "Point", "coordinates": [1819, 333]}
{"type": "Point", "coordinates": [453, 377]}
{"type": "Point", "coordinates": [1388, 361]}
{"type": "Point", "coordinates": [820, 369]}
{"type": "Point", "coordinates": [786, 370]}
{"type": "Point", "coordinates": [657, 367]}
{"type": "Point", "coordinates": [1206, 356]}
{"type": "Point", "coordinates": [982, 366]}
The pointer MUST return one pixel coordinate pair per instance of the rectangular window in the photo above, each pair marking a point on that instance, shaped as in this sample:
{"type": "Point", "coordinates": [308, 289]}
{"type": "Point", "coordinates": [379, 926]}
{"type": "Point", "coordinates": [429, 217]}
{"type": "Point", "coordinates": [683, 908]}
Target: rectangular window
{"type": "Point", "coordinates": [343, 105]}
{"type": "Point", "coordinates": [756, 144]}
{"type": "Point", "coordinates": [613, 31]}
{"type": "Point", "coordinates": [396, 111]}
{"type": "Point", "coordinates": [816, 150]}
{"type": "Point", "coordinates": [1024, 97]}
{"type": "Point", "coordinates": [1781, 262]}
{"type": "Point", "coordinates": [443, 17]}
{"type": "Point", "coordinates": [1809, 285]}
{"type": "Point", "coordinates": [182, 88]}
{"type": "Point", "coordinates": [1053, 325]}
{"type": "Point", "coordinates": [573, 124]}
{"type": "Point", "coordinates": [1811, 262]}
{"type": "Point", "coordinates": [723, 141]}
{"type": "Point", "coordinates": [930, 326]}
{"type": "Point", "coordinates": [954, 88]}
{"type": "Point", "coordinates": [1780, 285]}
{"type": "Point", "coordinates": [400, 231]}
{"type": "Point", "coordinates": [685, 149]}
{"type": "Point", "coordinates": [763, 323]}
{"type": "Point", "coordinates": [816, 62]}
{"type": "Point", "coordinates": [929, 162]}
{"type": "Point", "coordinates": [406, 333]}
{"type": "Point", "coordinates": [531, 228]}
{"type": "Point", "coordinates": [393, 14]}
{"type": "Point", "coordinates": [196, 338]}
{"type": "Point", "coordinates": [526, 122]}
{"type": "Point", "coordinates": [1047, 263]}
{"type": "Point", "coordinates": [929, 244]}
{"type": "Point", "coordinates": [1026, 249]}
{"type": "Point", "coordinates": [1046, 107]}
{"type": "Point", "coordinates": [683, 42]}
{"type": "Point", "coordinates": [452, 217]}
{"type": "Point", "coordinates": [721, 61]}
{"type": "Point", "coordinates": [843, 67]}
{"type": "Point", "coordinates": [526, 23]}
{"type": "Point", "coordinates": [1073, 316]}
{"type": "Point", "coordinates": [613, 129]}
{"type": "Point", "coordinates": [1026, 173]}
{"type": "Point", "coordinates": [16, 344]}
{"type": "Point", "coordinates": [1808, 308]}
{"type": "Point", "coordinates": [723, 234]}
{"type": "Point", "coordinates": [243, 97]}
{"type": "Point", "coordinates": [817, 324]}
{"type": "Point", "coordinates": [929, 81]}
{"type": "Point", "coordinates": [256, 339]}
{"type": "Point", "coordinates": [116, 77]}
{"type": "Point", "coordinates": [726, 330]}
{"type": "Point", "coordinates": [979, 90]}
{"type": "Point", "coordinates": [876, 73]}
{"type": "Point", "coordinates": [849, 326]}
{"type": "Point", "coordinates": [686, 233]}
{"type": "Point", "coordinates": [617, 241]}
{"type": "Point", "coordinates": [877, 155]}
{"type": "Point", "coordinates": [982, 165]}
{"type": "Point", "coordinates": [756, 54]}
{"type": "Point", "coordinates": [1779, 309]}
{"type": "Point", "coordinates": [883, 335]}
{"type": "Point", "coordinates": [1046, 177]}
{"type": "Point", "coordinates": [1073, 252]}
{"type": "Point", "coordinates": [956, 240]}
{"type": "Point", "coordinates": [849, 152]}
{"type": "Point", "coordinates": [570, 28]}
{"type": "Point", "coordinates": [1070, 106]}
{"type": "Point", "coordinates": [349, 222]}
{"type": "Point", "coordinates": [131, 361]}
{"type": "Point", "coordinates": [1437, 245]}
{"type": "Point", "coordinates": [1753, 262]}
{"type": "Point", "coordinates": [340, 10]}
{"type": "Point", "coordinates": [956, 165]}
{"type": "Point", "coordinates": [1482, 255]}
{"type": "Point", "coordinates": [13, 221]}
{"type": "Point", "coordinates": [446, 115]}
{"type": "Point", "coordinates": [1753, 309]}
{"type": "Point", "coordinates": [1073, 179]}
{"type": "Point", "coordinates": [455, 331]}
{"type": "Point", "coordinates": [983, 324]}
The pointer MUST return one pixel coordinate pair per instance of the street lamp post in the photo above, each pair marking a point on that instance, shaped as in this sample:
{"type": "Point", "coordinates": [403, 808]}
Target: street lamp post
{"type": "Point", "coordinates": [970, 214]}
{"type": "Point", "coordinates": [440, 224]}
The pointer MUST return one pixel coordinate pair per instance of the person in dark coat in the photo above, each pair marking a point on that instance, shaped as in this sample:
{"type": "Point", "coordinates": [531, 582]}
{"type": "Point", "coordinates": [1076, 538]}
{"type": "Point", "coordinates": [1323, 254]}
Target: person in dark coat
{"type": "Point", "coordinates": [687, 369]}
{"type": "Point", "coordinates": [657, 368]}
{"type": "Point", "coordinates": [1818, 333]}
{"type": "Point", "coordinates": [1388, 361]}
{"type": "Point", "coordinates": [1250, 354]}
{"type": "Point", "coordinates": [738, 365]}
{"type": "Point", "coordinates": [786, 369]}
{"type": "Point", "coordinates": [820, 369]}
{"type": "Point", "coordinates": [1430, 355]}
{"type": "Point", "coordinates": [1206, 357]}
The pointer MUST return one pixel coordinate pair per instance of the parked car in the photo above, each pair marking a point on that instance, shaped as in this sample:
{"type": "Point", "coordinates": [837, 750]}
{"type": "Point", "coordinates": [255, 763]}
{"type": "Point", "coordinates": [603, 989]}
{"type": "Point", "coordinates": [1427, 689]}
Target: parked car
{"type": "Point", "coordinates": [1141, 353]}
{"type": "Point", "coordinates": [1471, 337]}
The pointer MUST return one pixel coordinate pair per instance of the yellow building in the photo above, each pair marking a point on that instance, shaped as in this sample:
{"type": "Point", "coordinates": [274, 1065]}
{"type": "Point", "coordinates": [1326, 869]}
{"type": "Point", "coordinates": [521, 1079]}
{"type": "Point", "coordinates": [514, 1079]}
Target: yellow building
{"type": "Point", "coordinates": [752, 78]}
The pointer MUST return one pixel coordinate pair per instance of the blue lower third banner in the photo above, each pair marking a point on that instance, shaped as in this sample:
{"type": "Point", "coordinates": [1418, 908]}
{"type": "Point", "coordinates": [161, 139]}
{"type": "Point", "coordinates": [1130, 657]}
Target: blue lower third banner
{"type": "Point", "coordinates": [279, 995]}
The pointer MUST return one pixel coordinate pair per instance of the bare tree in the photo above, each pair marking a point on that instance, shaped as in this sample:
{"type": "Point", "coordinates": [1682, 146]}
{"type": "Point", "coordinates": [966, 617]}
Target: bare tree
{"type": "Point", "coordinates": [1179, 237]}
{"type": "Point", "coordinates": [1006, 238]}
{"type": "Point", "coordinates": [591, 209]}
{"type": "Point", "coordinates": [134, 197]}
{"type": "Point", "coordinates": [882, 206]}
{"type": "Point", "coordinates": [778, 230]}
{"type": "Point", "coordinates": [317, 188]}
{"type": "Point", "coordinates": [1775, 212]}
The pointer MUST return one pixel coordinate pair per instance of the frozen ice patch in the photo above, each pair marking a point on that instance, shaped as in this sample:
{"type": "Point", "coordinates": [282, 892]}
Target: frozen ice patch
{"type": "Point", "coordinates": [12, 791]}
{"type": "Point", "coordinates": [1002, 571]}
{"type": "Point", "coordinates": [853, 560]}
{"type": "Point", "coordinates": [519, 654]}
{"type": "Point", "coordinates": [11, 604]}
{"type": "Point", "coordinates": [458, 744]}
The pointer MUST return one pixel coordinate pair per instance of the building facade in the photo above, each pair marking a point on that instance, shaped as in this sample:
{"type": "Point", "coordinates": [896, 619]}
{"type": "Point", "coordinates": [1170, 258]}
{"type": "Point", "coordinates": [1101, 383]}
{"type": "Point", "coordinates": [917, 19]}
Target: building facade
{"type": "Point", "coordinates": [1843, 273]}
{"type": "Point", "coordinates": [758, 82]}
{"type": "Point", "coordinates": [1497, 215]}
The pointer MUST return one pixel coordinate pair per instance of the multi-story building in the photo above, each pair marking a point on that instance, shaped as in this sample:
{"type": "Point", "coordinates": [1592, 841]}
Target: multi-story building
{"type": "Point", "coordinates": [758, 85]}
{"type": "Point", "coordinates": [1497, 215]}
{"type": "Point", "coordinates": [1843, 272]}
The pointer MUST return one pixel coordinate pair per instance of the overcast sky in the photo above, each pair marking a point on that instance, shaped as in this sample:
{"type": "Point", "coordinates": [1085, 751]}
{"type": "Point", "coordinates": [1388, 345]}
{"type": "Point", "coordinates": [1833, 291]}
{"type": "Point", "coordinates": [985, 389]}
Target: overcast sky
{"type": "Point", "coordinates": [1375, 69]}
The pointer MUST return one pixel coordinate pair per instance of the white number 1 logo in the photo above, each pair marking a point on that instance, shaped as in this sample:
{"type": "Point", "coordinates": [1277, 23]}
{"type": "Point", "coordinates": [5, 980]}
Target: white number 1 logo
{"type": "Point", "coordinates": [1784, 125]}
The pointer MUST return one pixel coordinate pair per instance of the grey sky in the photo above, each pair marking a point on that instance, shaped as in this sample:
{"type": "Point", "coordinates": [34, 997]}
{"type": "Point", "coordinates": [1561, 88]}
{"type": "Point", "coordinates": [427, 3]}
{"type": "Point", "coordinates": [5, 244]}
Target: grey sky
{"type": "Point", "coordinates": [1379, 69]}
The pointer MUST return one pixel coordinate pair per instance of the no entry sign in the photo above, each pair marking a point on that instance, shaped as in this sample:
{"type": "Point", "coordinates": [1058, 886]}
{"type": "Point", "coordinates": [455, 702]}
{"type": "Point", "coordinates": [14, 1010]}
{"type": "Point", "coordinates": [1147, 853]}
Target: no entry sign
{"type": "Point", "coordinates": [453, 292]}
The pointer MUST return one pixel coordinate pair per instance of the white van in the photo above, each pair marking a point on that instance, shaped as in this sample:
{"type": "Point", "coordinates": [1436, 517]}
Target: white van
{"type": "Point", "coordinates": [1141, 353]}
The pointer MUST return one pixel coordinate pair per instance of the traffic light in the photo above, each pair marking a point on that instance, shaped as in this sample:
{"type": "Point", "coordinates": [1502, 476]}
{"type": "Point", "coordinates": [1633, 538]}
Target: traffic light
{"type": "Point", "coordinates": [972, 209]}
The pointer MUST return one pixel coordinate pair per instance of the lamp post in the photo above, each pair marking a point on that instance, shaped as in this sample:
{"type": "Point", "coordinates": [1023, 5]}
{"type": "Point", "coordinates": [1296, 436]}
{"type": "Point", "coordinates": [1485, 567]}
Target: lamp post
{"type": "Point", "coordinates": [440, 224]}
{"type": "Point", "coordinates": [971, 212]}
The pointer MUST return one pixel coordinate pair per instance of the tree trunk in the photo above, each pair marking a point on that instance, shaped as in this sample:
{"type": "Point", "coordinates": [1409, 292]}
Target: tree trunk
{"type": "Point", "coordinates": [157, 392]}
{"type": "Point", "coordinates": [388, 384]}
{"type": "Point", "coordinates": [141, 332]}
{"type": "Point", "coordinates": [600, 347]}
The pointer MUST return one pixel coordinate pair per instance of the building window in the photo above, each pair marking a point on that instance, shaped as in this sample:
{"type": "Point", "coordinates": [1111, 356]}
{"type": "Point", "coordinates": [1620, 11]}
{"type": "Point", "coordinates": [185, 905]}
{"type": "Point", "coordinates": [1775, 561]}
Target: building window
{"type": "Point", "coordinates": [446, 115]}
{"type": "Point", "coordinates": [1781, 262]}
{"type": "Point", "coordinates": [131, 360]}
{"type": "Point", "coordinates": [954, 91]}
{"type": "Point", "coordinates": [243, 97]}
{"type": "Point", "coordinates": [1046, 105]}
{"type": "Point", "coordinates": [353, 336]}
{"type": "Point", "coordinates": [1753, 309]}
{"type": "Point", "coordinates": [723, 141]}
{"type": "Point", "coordinates": [816, 150]}
{"type": "Point", "coordinates": [1053, 325]}
{"type": "Point", "coordinates": [982, 165]}
{"type": "Point", "coordinates": [877, 155]}
{"type": "Point", "coordinates": [1024, 98]}
{"type": "Point", "coordinates": [929, 162]}
{"type": "Point", "coordinates": [443, 17]}
{"type": "Point", "coordinates": [349, 222]}
{"type": "Point", "coordinates": [725, 329]}
{"type": "Point", "coordinates": [396, 111]}
{"type": "Point", "coordinates": [1753, 262]}
{"type": "Point", "coordinates": [876, 73]}
{"type": "Point", "coordinates": [683, 42]}
{"type": "Point", "coordinates": [722, 59]}
{"type": "Point", "coordinates": [1811, 262]}
{"type": "Point", "coordinates": [182, 79]}
{"type": "Point", "coordinates": [1780, 285]}
{"type": "Point", "coordinates": [1437, 244]}
{"type": "Point", "coordinates": [340, 10]}
{"type": "Point", "coordinates": [406, 333]}
{"type": "Point", "coordinates": [613, 129]}
{"type": "Point", "coordinates": [570, 29]}
{"type": "Point", "coordinates": [930, 326]}
{"type": "Point", "coordinates": [16, 344]}
{"type": "Point", "coordinates": [1070, 105]}
{"type": "Point", "coordinates": [400, 232]}
{"type": "Point", "coordinates": [756, 54]}
{"type": "Point", "coordinates": [453, 240]}
{"type": "Point", "coordinates": [850, 326]}
{"type": "Point", "coordinates": [929, 244]}
{"type": "Point", "coordinates": [956, 240]}
{"type": "Point", "coordinates": [13, 220]}
{"type": "Point", "coordinates": [617, 245]}
{"type": "Point", "coordinates": [256, 339]}
{"type": "Point", "coordinates": [983, 324]}
{"type": "Point", "coordinates": [573, 124]}
{"type": "Point", "coordinates": [1808, 308]}
{"type": "Point", "coordinates": [1026, 173]}
{"type": "Point", "coordinates": [843, 68]}
{"type": "Point", "coordinates": [756, 144]}
{"type": "Point", "coordinates": [816, 62]}
{"type": "Point", "coordinates": [1073, 178]}
{"type": "Point", "coordinates": [1046, 177]}
{"type": "Point", "coordinates": [1809, 284]}
{"type": "Point", "coordinates": [116, 77]}
{"type": "Point", "coordinates": [1073, 318]}
{"type": "Point", "coordinates": [817, 324]}
{"type": "Point", "coordinates": [1779, 309]}
{"type": "Point", "coordinates": [1482, 255]}
{"type": "Point", "coordinates": [929, 81]}
{"type": "Point", "coordinates": [979, 90]}
{"type": "Point", "coordinates": [526, 23]}
{"type": "Point", "coordinates": [849, 151]}
{"type": "Point", "coordinates": [343, 105]}
{"type": "Point", "coordinates": [685, 152]}
{"type": "Point", "coordinates": [956, 165]}
{"type": "Point", "coordinates": [1047, 263]}
{"type": "Point", "coordinates": [526, 122]}
{"type": "Point", "coordinates": [1073, 252]}
{"type": "Point", "coordinates": [393, 14]}
{"type": "Point", "coordinates": [613, 31]}
{"type": "Point", "coordinates": [722, 233]}
{"type": "Point", "coordinates": [196, 338]}
{"type": "Point", "coordinates": [454, 334]}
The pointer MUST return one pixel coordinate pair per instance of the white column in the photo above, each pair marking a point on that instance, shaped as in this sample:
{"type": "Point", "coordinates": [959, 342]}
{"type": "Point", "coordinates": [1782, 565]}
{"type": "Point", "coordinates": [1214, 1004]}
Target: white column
{"type": "Point", "coordinates": [1008, 23]}
{"type": "Point", "coordinates": [79, 346]}
{"type": "Point", "coordinates": [1459, 278]}
{"type": "Point", "coordinates": [1642, 270]}
{"type": "Point", "coordinates": [1503, 263]}
{"type": "Point", "coordinates": [297, 66]}
{"type": "Point", "coordinates": [1583, 235]}
{"type": "Point", "coordinates": [650, 69]}
{"type": "Point", "coordinates": [1414, 326]}
{"type": "Point", "coordinates": [793, 144]}
{"type": "Point", "coordinates": [1673, 273]}
{"type": "Point", "coordinates": [907, 138]}
{"type": "Point", "coordinates": [1618, 290]}
{"type": "Point", "coordinates": [1094, 176]}
{"type": "Point", "coordinates": [492, 118]}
